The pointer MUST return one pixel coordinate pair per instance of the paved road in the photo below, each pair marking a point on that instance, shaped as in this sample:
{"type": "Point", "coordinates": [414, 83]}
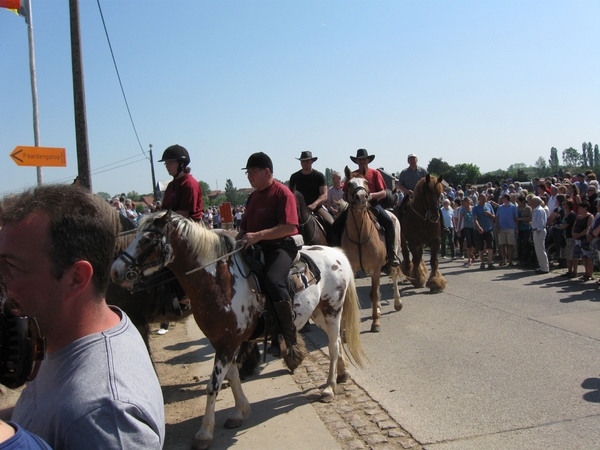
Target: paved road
{"type": "Point", "coordinates": [502, 359]}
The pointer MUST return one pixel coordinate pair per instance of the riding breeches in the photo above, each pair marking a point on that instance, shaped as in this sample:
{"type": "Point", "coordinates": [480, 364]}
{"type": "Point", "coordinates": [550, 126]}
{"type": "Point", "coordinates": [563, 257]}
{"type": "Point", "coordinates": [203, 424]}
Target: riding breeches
{"type": "Point", "coordinates": [278, 261]}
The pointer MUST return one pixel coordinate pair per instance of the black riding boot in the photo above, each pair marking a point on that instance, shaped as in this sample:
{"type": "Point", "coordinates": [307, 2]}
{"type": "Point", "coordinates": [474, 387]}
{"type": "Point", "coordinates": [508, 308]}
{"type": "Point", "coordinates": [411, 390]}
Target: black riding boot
{"type": "Point", "coordinates": [285, 328]}
{"type": "Point", "coordinates": [392, 258]}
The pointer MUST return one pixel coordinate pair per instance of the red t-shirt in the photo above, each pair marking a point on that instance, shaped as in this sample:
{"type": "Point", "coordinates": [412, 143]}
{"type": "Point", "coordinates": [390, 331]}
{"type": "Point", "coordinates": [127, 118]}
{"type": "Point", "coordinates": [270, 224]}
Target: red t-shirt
{"type": "Point", "coordinates": [374, 181]}
{"type": "Point", "coordinates": [275, 205]}
{"type": "Point", "coordinates": [184, 194]}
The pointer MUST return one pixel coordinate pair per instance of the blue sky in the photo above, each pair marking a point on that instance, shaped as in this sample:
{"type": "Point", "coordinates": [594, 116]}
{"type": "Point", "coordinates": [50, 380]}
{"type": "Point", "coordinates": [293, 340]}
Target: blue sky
{"type": "Point", "coordinates": [485, 82]}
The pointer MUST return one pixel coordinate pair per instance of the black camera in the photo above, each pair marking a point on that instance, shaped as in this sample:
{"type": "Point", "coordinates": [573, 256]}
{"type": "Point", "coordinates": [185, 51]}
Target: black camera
{"type": "Point", "coordinates": [22, 348]}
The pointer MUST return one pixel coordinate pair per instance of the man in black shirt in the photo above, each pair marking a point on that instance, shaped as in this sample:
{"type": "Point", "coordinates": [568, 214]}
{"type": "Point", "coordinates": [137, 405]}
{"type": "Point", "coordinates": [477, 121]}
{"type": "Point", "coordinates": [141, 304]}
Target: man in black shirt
{"type": "Point", "coordinates": [311, 184]}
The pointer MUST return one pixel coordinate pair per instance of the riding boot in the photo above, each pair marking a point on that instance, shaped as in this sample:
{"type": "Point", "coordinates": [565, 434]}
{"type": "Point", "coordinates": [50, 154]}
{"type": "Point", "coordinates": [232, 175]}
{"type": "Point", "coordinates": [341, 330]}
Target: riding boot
{"type": "Point", "coordinates": [290, 350]}
{"type": "Point", "coordinates": [392, 258]}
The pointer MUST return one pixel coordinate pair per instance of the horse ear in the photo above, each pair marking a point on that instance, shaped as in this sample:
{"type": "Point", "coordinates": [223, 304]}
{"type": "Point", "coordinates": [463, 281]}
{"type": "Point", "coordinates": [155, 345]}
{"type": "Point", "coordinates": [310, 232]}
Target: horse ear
{"type": "Point", "coordinates": [427, 178]}
{"type": "Point", "coordinates": [441, 177]}
{"type": "Point", "coordinates": [163, 220]}
{"type": "Point", "coordinates": [347, 173]}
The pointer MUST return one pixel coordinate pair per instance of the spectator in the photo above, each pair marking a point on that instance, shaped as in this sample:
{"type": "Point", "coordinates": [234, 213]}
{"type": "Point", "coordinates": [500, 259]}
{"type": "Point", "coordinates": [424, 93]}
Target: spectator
{"type": "Point", "coordinates": [467, 224]}
{"type": "Point", "coordinates": [523, 225]}
{"type": "Point", "coordinates": [98, 388]}
{"type": "Point", "coordinates": [448, 234]}
{"type": "Point", "coordinates": [567, 250]}
{"type": "Point", "coordinates": [581, 227]}
{"type": "Point", "coordinates": [591, 196]}
{"type": "Point", "coordinates": [506, 227]}
{"type": "Point", "coordinates": [335, 194]}
{"type": "Point", "coordinates": [458, 238]}
{"type": "Point", "coordinates": [484, 223]}
{"type": "Point", "coordinates": [538, 225]}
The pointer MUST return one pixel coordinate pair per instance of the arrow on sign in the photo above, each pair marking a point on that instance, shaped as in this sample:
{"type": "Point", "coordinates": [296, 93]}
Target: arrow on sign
{"type": "Point", "coordinates": [39, 156]}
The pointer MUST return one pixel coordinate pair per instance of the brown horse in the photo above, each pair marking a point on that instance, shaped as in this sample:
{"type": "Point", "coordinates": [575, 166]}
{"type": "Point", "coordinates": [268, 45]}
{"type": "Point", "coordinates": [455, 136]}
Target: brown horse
{"type": "Point", "coordinates": [364, 243]}
{"type": "Point", "coordinates": [421, 227]}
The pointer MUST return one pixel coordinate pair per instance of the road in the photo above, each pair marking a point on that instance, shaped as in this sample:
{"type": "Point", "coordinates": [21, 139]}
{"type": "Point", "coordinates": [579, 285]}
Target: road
{"type": "Point", "coordinates": [503, 359]}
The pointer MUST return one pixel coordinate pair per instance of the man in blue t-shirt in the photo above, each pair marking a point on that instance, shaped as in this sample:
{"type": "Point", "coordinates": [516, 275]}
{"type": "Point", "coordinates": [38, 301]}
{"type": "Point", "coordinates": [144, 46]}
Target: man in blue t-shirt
{"type": "Point", "coordinates": [506, 227]}
{"type": "Point", "coordinates": [483, 215]}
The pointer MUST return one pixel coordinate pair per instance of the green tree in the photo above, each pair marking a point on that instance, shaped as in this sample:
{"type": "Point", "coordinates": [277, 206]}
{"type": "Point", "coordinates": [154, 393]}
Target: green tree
{"type": "Point", "coordinates": [596, 156]}
{"type": "Point", "coordinates": [328, 180]}
{"type": "Point", "coordinates": [106, 196]}
{"type": "Point", "coordinates": [541, 168]}
{"type": "Point", "coordinates": [590, 154]}
{"type": "Point", "coordinates": [584, 158]}
{"type": "Point", "coordinates": [133, 195]}
{"type": "Point", "coordinates": [233, 195]}
{"type": "Point", "coordinates": [439, 167]}
{"type": "Point", "coordinates": [571, 157]}
{"type": "Point", "coordinates": [465, 173]}
{"type": "Point", "coordinates": [205, 191]}
{"type": "Point", "coordinates": [553, 161]}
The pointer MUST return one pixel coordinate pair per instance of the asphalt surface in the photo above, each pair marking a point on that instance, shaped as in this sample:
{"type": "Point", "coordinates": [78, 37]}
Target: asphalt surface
{"type": "Point", "coordinates": [502, 359]}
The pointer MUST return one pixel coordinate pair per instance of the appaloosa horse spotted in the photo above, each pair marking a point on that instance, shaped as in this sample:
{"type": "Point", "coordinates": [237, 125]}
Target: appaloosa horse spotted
{"type": "Point", "coordinates": [227, 306]}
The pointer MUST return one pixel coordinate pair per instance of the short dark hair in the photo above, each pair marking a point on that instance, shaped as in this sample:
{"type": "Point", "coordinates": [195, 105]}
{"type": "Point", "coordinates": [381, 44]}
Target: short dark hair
{"type": "Point", "coordinates": [80, 228]}
{"type": "Point", "coordinates": [585, 205]}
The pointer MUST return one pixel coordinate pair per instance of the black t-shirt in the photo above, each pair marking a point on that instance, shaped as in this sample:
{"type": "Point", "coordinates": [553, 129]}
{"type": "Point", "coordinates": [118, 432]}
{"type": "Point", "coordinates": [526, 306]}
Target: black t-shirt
{"type": "Point", "coordinates": [308, 185]}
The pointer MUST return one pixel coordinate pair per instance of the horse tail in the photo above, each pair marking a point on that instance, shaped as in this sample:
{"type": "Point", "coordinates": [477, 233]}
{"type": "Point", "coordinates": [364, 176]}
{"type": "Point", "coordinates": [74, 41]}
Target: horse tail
{"type": "Point", "coordinates": [351, 324]}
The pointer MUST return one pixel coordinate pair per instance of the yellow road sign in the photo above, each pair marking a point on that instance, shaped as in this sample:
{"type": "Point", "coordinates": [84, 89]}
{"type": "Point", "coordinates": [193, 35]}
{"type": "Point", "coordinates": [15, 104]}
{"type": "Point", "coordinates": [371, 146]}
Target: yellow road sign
{"type": "Point", "coordinates": [39, 156]}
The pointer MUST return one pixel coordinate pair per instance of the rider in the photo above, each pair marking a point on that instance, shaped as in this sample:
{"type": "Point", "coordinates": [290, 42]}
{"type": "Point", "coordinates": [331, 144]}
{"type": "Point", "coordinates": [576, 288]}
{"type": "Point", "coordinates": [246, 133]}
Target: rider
{"type": "Point", "coordinates": [312, 185]}
{"type": "Point", "coordinates": [271, 219]}
{"type": "Point", "coordinates": [184, 197]}
{"type": "Point", "coordinates": [409, 178]}
{"type": "Point", "coordinates": [377, 192]}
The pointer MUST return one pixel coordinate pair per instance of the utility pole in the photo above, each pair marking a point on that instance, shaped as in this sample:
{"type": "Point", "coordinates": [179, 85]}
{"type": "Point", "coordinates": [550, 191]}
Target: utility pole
{"type": "Point", "coordinates": [81, 136]}
{"type": "Point", "coordinates": [154, 191]}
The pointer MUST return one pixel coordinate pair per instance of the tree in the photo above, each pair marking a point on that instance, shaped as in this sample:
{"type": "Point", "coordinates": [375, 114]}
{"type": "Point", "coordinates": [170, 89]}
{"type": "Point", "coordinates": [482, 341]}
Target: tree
{"type": "Point", "coordinates": [571, 158]}
{"type": "Point", "coordinates": [439, 167]}
{"type": "Point", "coordinates": [328, 180]}
{"type": "Point", "coordinates": [106, 196]}
{"type": "Point", "coordinates": [133, 195]}
{"type": "Point", "coordinates": [553, 161]}
{"type": "Point", "coordinates": [596, 156]}
{"type": "Point", "coordinates": [205, 191]}
{"type": "Point", "coordinates": [541, 168]}
{"type": "Point", "coordinates": [583, 154]}
{"type": "Point", "coordinates": [590, 155]}
{"type": "Point", "coordinates": [233, 195]}
{"type": "Point", "coordinates": [464, 173]}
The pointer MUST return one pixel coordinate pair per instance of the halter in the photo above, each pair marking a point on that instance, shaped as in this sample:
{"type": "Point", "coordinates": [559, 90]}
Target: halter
{"type": "Point", "coordinates": [359, 244]}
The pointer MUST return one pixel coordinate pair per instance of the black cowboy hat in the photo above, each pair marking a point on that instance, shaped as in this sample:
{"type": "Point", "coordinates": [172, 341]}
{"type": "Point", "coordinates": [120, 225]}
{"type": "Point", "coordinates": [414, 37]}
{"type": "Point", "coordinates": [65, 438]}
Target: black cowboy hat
{"type": "Point", "coordinates": [307, 155]}
{"type": "Point", "coordinates": [362, 153]}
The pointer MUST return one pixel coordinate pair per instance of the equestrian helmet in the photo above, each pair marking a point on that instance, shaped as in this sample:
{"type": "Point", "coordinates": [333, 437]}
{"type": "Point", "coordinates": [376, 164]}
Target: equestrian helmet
{"type": "Point", "coordinates": [177, 153]}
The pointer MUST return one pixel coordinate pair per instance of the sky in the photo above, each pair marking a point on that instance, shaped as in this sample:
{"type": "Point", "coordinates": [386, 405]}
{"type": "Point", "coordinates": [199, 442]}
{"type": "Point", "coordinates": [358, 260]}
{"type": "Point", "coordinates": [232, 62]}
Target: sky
{"type": "Point", "coordinates": [491, 83]}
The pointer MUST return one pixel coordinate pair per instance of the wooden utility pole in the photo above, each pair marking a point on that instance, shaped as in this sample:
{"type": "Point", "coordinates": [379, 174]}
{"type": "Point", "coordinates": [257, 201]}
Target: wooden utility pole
{"type": "Point", "coordinates": [81, 136]}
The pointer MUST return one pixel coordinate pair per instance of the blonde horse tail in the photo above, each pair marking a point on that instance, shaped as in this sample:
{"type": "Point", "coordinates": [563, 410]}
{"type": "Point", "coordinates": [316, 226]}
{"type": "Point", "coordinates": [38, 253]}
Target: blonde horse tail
{"type": "Point", "coordinates": [351, 326]}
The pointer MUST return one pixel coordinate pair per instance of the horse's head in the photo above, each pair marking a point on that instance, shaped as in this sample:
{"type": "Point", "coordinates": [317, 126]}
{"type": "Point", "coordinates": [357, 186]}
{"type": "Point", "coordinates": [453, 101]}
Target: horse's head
{"type": "Point", "coordinates": [427, 195]}
{"type": "Point", "coordinates": [148, 253]}
{"type": "Point", "coordinates": [358, 188]}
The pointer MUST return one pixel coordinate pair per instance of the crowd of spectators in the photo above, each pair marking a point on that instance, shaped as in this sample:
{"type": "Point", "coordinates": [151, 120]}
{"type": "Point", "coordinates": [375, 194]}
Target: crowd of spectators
{"type": "Point", "coordinates": [553, 221]}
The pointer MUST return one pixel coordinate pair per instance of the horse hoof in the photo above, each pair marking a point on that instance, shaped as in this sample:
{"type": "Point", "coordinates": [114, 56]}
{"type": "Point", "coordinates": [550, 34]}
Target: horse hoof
{"type": "Point", "coordinates": [398, 307]}
{"type": "Point", "coordinates": [326, 398]}
{"type": "Point", "coordinates": [342, 378]}
{"type": "Point", "coordinates": [375, 328]}
{"type": "Point", "coordinates": [201, 444]}
{"type": "Point", "coordinates": [233, 423]}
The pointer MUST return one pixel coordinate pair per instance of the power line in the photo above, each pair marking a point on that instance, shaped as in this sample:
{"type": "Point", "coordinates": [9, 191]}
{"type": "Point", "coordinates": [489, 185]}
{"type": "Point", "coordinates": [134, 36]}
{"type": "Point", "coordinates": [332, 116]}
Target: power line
{"type": "Point", "coordinates": [119, 77]}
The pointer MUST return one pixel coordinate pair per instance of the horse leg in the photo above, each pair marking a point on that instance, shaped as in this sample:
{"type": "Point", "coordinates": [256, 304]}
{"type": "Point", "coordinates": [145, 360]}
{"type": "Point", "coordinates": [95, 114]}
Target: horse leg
{"type": "Point", "coordinates": [418, 275]}
{"type": "Point", "coordinates": [436, 282]}
{"type": "Point", "coordinates": [374, 296]}
{"type": "Point", "coordinates": [241, 409]}
{"type": "Point", "coordinates": [204, 436]}
{"type": "Point", "coordinates": [333, 326]}
{"type": "Point", "coordinates": [397, 299]}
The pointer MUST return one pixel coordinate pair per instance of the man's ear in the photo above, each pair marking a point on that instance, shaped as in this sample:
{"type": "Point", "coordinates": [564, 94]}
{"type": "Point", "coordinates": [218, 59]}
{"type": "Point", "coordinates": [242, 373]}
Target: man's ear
{"type": "Point", "coordinates": [77, 278]}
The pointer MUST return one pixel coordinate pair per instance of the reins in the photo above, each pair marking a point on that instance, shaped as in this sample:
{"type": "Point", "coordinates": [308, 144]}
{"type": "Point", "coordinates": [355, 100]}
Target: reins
{"type": "Point", "coordinates": [358, 243]}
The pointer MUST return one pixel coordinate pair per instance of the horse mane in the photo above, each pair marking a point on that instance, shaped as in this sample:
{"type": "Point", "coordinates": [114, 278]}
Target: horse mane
{"type": "Point", "coordinates": [204, 244]}
{"type": "Point", "coordinates": [301, 203]}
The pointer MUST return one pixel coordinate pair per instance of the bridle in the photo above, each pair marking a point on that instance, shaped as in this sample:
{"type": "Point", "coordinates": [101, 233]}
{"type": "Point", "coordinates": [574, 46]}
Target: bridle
{"type": "Point", "coordinates": [432, 214]}
{"type": "Point", "coordinates": [358, 243]}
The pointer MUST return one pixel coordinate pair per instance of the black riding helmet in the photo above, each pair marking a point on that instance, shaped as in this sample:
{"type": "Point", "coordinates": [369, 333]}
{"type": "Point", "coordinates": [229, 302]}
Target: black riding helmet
{"type": "Point", "coordinates": [176, 153]}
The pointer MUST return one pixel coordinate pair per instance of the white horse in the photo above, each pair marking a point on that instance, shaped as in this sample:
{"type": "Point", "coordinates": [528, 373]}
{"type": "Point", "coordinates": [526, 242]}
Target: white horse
{"type": "Point", "coordinates": [227, 306]}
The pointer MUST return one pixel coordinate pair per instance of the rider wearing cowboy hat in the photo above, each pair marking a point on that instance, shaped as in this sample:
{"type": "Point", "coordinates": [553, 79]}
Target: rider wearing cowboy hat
{"type": "Point", "coordinates": [377, 190]}
{"type": "Point", "coordinates": [312, 185]}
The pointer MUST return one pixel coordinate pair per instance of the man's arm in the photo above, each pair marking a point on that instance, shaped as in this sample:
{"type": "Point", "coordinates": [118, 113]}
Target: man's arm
{"type": "Point", "coordinates": [319, 201]}
{"type": "Point", "coordinates": [278, 232]}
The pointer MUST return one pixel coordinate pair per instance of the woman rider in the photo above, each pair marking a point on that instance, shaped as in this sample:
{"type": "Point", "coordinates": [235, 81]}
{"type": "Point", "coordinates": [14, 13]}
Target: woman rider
{"type": "Point", "coordinates": [184, 197]}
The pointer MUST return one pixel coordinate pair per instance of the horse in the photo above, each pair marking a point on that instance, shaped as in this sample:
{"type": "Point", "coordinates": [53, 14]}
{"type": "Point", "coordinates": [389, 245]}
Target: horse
{"type": "Point", "coordinates": [364, 242]}
{"type": "Point", "coordinates": [227, 304]}
{"type": "Point", "coordinates": [310, 228]}
{"type": "Point", "coordinates": [420, 227]}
